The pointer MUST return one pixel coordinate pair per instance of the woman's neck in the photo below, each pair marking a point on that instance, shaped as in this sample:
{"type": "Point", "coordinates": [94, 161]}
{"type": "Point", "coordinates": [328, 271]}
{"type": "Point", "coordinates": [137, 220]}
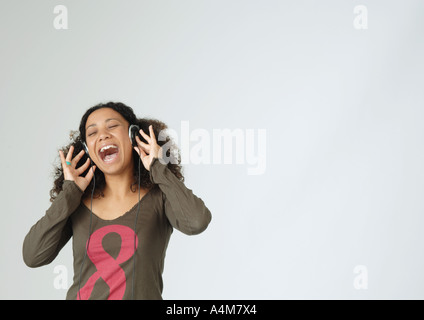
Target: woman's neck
{"type": "Point", "coordinates": [118, 187]}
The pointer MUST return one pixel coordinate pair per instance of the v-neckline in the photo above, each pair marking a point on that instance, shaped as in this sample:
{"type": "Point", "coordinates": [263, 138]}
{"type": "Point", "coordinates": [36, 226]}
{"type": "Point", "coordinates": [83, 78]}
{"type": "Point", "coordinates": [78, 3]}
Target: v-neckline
{"type": "Point", "coordinates": [119, 217]}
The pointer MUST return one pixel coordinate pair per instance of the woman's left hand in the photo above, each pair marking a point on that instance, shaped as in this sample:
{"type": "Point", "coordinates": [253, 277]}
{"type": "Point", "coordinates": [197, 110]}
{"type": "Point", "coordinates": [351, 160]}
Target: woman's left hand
{"type": "Point", "coordinates": [148, 151]}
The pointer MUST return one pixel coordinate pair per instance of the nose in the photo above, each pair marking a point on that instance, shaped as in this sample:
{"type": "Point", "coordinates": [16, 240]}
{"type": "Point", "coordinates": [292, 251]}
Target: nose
{"type": "Point", "coordinates": [103, 135]}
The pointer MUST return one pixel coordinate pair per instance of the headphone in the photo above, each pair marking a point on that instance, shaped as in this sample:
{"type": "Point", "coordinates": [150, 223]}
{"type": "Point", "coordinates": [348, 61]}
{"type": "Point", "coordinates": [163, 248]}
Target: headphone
{"type": "Point", "coordinates": [133, 131]}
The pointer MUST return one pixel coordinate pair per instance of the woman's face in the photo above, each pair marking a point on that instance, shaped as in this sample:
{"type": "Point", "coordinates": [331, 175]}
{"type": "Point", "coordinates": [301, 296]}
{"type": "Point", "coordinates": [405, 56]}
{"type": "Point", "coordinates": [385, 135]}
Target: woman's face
{"type": "Point", "coordinates": [106, 134]}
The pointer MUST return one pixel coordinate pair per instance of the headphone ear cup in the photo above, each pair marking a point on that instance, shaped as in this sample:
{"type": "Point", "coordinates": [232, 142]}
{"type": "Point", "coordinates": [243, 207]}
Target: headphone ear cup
{"type": "Point", "coordinates": [88, 155]}
{"type": "Point", "coordinates": [85, 148]}
{"type": "Point", "coordinates": [133, 131]}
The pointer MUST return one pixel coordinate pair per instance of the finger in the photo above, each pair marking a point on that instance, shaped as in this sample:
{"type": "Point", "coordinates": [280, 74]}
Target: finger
{"type": "Point", "coordinates": [69, 155]}
{"type": "Point", "coordinates": [152, 134]}
{"type": "Point", "coordinates": [145, 136]}
{"type": "Point", "coordinates": [81, 169]}
{"type": "Point", "coordinates": [90, 173]}
{"type": "Point", "coordinates": [78, 157]}
{"type": "Point", "coordinates": [141, 143]}
{"type": "Point", "coordinates": [140, 152]}
{"type": "Point", "coordinates": [62, 158]}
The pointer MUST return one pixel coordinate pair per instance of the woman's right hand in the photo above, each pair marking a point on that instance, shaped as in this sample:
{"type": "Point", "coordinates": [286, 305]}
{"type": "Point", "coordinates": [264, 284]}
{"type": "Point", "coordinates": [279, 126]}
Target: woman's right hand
{"type": "Point", "coordinates": [70, 172]}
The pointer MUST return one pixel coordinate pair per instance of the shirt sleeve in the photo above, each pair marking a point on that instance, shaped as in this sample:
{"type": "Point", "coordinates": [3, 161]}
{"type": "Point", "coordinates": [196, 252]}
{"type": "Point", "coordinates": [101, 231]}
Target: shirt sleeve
{"type": "Point", "coordinates": [50, 234]}
{"type": "Point", "coordinates": [185, 211]}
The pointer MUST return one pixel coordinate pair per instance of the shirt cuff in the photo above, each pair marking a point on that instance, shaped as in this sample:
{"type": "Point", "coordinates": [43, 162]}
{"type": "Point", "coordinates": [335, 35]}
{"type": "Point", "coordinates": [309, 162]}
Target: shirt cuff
{"type": "Point", "coordinates": [71, 185]}
{"type": "Point", "coordinates": [155, 168]}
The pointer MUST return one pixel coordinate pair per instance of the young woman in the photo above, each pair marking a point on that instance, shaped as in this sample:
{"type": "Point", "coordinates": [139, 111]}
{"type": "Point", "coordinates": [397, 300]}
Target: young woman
{"type": "Point", "coordinates": [120, 221]}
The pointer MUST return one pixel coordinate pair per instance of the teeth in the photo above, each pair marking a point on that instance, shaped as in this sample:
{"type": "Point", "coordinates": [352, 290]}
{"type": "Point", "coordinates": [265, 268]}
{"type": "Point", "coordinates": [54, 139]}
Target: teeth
{"type": "Point", "coordinates": [107, 147]}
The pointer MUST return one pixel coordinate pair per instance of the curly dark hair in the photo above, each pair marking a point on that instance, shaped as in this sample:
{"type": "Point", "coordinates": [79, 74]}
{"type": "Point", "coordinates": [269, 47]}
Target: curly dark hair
{"type": "Point", "coordinates": [78, 137]}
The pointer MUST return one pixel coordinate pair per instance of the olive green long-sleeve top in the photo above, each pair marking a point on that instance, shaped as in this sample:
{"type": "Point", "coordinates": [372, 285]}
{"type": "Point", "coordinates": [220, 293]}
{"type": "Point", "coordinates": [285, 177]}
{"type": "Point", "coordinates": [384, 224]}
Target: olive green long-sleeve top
{"type": "Point", "coordinates": [104, 263]}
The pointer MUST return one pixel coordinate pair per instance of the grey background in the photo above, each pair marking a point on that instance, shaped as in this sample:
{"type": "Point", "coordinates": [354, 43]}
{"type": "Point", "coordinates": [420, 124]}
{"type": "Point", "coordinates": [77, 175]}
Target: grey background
{"type": "Point", "coordinates": [342, 108]}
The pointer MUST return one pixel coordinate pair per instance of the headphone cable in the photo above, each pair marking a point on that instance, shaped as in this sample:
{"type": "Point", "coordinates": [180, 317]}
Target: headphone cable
{"type": "Point", "coordinates": [89, 233]}
{"type": "Point", "coordinates": [135, 229]}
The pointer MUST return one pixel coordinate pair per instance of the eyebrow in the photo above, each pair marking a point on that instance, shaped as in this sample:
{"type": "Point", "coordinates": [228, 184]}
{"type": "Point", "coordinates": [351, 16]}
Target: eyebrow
{"type": "Point", "coordinates": [93, 125]}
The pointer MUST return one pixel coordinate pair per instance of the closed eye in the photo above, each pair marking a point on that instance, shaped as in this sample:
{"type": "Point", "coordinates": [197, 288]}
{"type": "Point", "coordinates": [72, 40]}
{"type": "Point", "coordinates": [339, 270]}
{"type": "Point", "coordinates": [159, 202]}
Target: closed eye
{"type": "Point", "coordinates": [94, 132]}
{"type": "Point", "coordinates": [111, 127]}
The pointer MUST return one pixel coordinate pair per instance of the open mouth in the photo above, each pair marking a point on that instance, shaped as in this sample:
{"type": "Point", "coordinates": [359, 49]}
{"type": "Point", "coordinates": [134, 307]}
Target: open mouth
{"type": "Point", "coordinates": [109, 153]}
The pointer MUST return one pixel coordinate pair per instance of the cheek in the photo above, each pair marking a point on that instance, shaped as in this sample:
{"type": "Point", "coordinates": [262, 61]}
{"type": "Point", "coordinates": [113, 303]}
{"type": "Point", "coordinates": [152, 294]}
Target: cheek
{"type": "Point", "coordinates": [128, 148]}
{"type": "Point", "coordinates": [91, 147]}
{"type": "Point", "coordinates": [122, 136]}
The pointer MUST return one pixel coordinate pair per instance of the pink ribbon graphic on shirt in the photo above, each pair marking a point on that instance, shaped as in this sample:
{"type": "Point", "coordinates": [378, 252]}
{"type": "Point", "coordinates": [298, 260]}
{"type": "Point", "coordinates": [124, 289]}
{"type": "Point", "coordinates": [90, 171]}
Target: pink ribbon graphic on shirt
{"type": "Point", "coordinates": [108, 268]}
